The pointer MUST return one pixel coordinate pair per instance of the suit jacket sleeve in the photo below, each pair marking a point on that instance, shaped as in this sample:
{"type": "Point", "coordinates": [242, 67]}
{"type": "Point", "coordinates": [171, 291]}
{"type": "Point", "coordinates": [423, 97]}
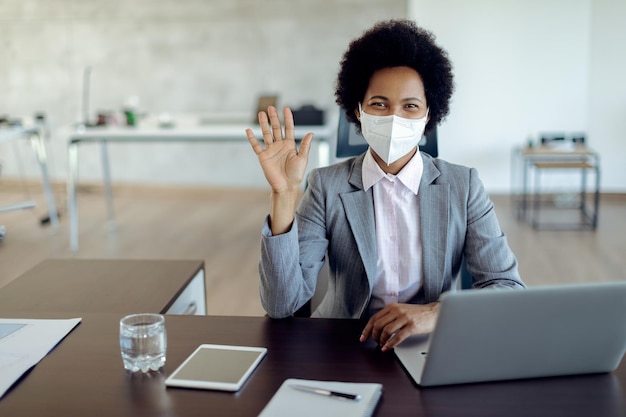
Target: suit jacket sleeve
{"type": "Point", "coordinates": [489, 259]}
{"type": "Point", "coordinates": [289, 264]}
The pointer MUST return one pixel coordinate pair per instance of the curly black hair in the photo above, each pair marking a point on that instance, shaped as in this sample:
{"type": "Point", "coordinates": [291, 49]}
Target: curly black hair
{"type": "Point", "coordinates": [395, 43]}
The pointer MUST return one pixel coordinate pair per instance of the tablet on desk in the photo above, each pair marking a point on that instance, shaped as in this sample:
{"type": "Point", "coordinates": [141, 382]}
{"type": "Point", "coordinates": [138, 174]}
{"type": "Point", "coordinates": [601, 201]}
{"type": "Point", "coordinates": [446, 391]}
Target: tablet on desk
{"type": "Point", "coordinates": [218, 367]}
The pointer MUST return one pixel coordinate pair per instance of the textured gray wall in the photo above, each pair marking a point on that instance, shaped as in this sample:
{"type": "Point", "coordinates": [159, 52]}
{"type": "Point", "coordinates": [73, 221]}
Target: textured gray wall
{"type": "Point", "coordinates": [177, 56]}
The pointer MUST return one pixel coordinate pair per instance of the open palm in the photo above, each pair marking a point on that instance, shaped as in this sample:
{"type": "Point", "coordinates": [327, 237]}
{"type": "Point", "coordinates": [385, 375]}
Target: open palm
{"type": "Point", "coordinates": [282, 163]}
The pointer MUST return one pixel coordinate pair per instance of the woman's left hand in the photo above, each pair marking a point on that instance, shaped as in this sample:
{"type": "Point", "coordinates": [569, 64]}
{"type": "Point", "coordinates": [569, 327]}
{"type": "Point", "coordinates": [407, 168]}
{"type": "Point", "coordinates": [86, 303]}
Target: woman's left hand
{"type": "Point", "coordinates": [396, 322]}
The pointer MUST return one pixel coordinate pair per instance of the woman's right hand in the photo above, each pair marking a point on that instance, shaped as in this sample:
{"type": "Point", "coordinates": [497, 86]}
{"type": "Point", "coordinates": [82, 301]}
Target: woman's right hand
{"type": "Point", "coordinates": [282, 163]}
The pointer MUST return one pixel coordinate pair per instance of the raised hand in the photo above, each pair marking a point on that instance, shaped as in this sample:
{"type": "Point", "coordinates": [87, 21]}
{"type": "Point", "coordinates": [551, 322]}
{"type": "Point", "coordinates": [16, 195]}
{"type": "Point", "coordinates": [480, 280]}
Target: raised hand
{"type": "Point", "coordinates": [282, 163]}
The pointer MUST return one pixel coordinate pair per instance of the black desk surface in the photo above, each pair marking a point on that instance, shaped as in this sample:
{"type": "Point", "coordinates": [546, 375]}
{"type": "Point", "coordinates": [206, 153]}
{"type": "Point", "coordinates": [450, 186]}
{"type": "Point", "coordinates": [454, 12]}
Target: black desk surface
{"type": "Point", "coordinates": [84, 376]}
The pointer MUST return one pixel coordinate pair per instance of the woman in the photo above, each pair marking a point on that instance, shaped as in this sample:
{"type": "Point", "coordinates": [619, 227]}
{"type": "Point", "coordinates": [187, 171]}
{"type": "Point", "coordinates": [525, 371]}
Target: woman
{"type": "Point", "coordinates": [394, 222]}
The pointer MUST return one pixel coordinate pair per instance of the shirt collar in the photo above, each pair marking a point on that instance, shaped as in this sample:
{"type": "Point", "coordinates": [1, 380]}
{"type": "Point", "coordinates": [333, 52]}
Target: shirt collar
{"type": "Point", "coordinates": [410, 175]}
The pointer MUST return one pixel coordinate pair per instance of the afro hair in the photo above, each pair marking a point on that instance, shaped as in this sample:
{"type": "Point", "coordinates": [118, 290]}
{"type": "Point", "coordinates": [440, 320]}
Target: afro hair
{"type": "Point", "coordinates": [395, 43]}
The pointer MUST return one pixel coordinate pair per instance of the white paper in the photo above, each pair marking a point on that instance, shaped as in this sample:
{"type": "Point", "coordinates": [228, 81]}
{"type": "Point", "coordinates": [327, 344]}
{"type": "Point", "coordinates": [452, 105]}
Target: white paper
{"type": "Point", "coordinates": [24, 342]}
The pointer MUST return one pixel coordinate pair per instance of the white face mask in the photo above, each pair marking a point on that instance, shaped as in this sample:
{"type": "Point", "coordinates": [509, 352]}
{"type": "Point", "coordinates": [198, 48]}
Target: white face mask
{"type": "Point", "coordinates": [391, 137]}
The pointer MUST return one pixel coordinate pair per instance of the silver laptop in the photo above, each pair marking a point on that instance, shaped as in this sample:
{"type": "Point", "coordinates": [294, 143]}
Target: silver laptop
{"type": "Point", "coordinates": [491, 335]}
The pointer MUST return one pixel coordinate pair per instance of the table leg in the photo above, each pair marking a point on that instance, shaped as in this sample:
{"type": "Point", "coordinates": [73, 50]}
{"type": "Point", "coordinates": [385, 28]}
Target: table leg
{"type": "Point", "coordinates": [536, 199]}
{"type": "Point", "coordinates": [18, 206]}
{"type": "Point", "coordinates": [38, 142]}
{"type": "Point", "coordinates": [72, 203]}
{"type": "Point", "coordinates": [106, 177]}
{"type": "Point", "coordinates": [521, 214]}
{"type": "Point", "coordinates": [583, 194]}
{"type": "Point", "coordinates": [596, 196]}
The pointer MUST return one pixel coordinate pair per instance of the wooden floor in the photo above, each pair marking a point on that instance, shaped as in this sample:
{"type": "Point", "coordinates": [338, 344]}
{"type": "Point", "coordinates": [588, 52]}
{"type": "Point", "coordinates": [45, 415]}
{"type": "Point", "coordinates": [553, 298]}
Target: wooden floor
{"type": "Point", "coordinates": [222, 227]}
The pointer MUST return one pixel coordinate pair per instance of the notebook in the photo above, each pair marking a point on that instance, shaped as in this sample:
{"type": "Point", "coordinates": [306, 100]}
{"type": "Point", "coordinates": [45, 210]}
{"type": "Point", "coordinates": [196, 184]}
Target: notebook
{"type": "Point", "coordinates": [291, 400]}
{"type": "Point", "coordinates": [491, 335]}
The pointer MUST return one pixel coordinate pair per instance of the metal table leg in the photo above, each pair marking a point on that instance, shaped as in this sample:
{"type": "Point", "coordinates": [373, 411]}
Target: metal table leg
{"type": "Point", "coordinates": [38, 143]}
{"type": "Point", "coordinates": [72, 203]}
{"type": "Point", "coordinates": [521, 214]}
{"type": "Point", "coordinates": [596, 195]}
{"type": "Point", "coordinates": [18, 206]}
{"type": "Point", "coordinates": [106, 177]}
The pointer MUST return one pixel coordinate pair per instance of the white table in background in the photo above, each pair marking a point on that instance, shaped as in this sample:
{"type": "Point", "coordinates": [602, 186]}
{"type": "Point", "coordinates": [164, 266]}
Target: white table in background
{"type": "Point", "coordinates": [234, 132]}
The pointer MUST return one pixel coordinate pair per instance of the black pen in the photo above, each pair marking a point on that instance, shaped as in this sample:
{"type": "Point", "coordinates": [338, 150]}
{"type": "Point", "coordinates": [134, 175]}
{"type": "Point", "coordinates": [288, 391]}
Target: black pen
{"type": "Point", "coordinates": [326, 392]}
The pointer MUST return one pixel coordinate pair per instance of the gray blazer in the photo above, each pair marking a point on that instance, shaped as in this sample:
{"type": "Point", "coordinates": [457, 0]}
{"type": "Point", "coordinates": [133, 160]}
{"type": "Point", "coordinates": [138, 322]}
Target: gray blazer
{"type": "Point", "coordinates": [336, 218]}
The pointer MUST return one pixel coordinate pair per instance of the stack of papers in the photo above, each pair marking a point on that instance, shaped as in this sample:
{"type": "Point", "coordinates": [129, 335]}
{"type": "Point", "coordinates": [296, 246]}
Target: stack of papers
{"type": "Point", "coordinates": [24, 342]}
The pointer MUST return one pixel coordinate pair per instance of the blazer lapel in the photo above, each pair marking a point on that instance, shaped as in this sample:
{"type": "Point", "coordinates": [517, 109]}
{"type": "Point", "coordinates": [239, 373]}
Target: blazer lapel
{"type": "Point", "coordinates": [434, 218]}
{"type": "Point", "coordinates": [359, 208]}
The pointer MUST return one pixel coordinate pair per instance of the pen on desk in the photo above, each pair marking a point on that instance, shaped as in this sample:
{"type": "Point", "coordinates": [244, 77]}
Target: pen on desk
{"type": "Point", "coordinates": [326, 392]}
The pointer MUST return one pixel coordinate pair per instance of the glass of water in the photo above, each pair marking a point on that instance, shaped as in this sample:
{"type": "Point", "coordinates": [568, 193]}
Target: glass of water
{"type": "Point", "coordinates": [143, 342]}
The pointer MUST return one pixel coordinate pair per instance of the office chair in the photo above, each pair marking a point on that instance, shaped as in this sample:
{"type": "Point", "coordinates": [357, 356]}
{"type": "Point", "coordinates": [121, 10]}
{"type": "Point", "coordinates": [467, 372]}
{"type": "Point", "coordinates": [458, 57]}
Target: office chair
{"type": "Point", "coordinates": [351, 143]}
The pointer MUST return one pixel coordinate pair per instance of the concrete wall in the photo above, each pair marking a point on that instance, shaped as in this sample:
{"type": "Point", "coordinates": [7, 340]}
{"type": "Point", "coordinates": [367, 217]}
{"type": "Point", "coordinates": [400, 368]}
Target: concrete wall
{"type": "Point", "coordinates": [179, 57]}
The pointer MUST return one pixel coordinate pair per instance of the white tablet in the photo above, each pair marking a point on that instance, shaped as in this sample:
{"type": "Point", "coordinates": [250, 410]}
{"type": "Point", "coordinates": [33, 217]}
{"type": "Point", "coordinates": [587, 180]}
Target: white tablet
{"type": "Point", "coordinates": [219, 367]}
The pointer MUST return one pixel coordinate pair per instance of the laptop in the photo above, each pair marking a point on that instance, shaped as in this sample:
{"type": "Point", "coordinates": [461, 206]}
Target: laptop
{"type": "Point", "coordinates": [493, 335]}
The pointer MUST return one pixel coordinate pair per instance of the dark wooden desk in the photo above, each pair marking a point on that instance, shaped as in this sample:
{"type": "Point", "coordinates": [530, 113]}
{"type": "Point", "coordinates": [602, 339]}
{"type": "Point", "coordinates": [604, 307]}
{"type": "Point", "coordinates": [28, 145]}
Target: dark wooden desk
{"type": "Point", "coordinates": [108, 285]}
{"type": "Point", "coordinates": [84, 375]}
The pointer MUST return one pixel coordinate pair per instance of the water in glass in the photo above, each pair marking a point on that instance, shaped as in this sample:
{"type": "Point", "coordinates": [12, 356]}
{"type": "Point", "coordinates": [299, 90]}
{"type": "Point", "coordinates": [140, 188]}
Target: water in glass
{"type": "Point", "coordinates": [143, 342]}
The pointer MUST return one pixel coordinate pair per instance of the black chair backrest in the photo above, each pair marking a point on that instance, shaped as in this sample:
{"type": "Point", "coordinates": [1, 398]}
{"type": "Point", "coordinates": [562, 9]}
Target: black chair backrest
{"type": "Point", "coordinates": [351, 143]}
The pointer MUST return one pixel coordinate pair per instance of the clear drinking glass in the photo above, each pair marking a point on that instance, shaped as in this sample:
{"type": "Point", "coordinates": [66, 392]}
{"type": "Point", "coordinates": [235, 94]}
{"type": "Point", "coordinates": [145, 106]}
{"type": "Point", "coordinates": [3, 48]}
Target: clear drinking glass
{"type": "Point", "coordinates": [143, 342]}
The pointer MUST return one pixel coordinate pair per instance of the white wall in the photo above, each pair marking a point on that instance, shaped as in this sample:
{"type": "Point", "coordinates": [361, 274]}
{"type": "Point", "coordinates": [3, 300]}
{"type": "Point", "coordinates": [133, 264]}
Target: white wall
{"type": "Point", "coordinates": [177, 56]}
{"type": "Point", "coordinates": [607, 89]}
{"type": "Point", "coordinates": [525, 67]}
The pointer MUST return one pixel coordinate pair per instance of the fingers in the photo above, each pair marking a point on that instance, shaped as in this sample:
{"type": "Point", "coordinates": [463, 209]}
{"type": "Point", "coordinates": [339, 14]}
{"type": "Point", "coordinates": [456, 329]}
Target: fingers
{"type": "Point", "coordinates": [367, 331]}
{"type": "Point", "coordinates": [265, 128]}
{"type": "Point", "coordinates": [397, 328]}
{"type": "Point", "coordinates": [289, 125]}
{"type": "Point", "coordinates": [375, 325]}
{"type": "Point", "coordinates": [395, 339]}
{"type": "Point", "coordinates": [256, 146]}
{"type": "Point", "coordinates": [271, 130]}
{"type": "Point", "coordinates": [270, 124]}
{"type": "Point", "coordinates": [277, 130]}
{"type": "Point", "coordinates": [305, 146]}
{"type": "Point", "coordinates": [268, 131]}
{"type": "Point", "coordinates": [387, 328]}
{"type": "Point", "coordinates": [390, 326]}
